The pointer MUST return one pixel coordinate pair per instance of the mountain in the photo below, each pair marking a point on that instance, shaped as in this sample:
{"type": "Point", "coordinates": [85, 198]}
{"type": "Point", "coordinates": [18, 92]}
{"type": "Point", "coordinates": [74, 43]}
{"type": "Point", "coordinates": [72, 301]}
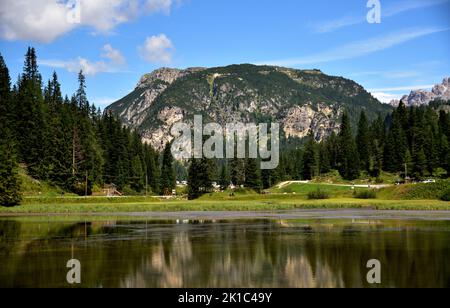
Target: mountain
{"type": "Point", "coordinates": [300, 100]}
{"type": "Point", "coordinates": [422, 97]}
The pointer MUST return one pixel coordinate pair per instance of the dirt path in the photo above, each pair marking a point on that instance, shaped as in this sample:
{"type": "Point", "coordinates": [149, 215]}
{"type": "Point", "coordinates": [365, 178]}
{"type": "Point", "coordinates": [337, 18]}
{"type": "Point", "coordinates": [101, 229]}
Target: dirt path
{"type": "Point", "coordinates": [287, 183]}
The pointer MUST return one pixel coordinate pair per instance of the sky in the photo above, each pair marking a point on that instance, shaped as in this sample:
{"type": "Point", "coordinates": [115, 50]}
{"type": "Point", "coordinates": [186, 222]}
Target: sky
{"type": "Point", "coordinates": [115, 42]}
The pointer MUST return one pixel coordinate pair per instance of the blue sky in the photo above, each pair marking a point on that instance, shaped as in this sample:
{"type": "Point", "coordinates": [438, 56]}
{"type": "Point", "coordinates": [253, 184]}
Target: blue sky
{"type": "Point", "coordinates": [117, 41]}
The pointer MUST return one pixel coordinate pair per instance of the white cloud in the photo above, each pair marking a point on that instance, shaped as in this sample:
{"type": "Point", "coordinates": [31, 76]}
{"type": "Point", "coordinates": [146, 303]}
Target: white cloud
{"type": "Point", "coordinates": [113, 54]}
{"type": "Point", "coordinates": [332, 25]}
{"type": "Point", "coordinates": [75, 65]}
{"type": "Point", "coordinates": [360, 48]}
{"type": "Point", "coordinates": [42, 20]}
{"type": "Point", "coordinates": [46, 20]}
{"type": "Point", "coordinates": [157, 49]}
{"type": "Point", "coordinates": [388, 74]}
{"type": "Point", "coordinates": [115, 63]}
{"type": "Point", "coordinates": [404, 88]}
{"type": "Point", "coordinates": [390, 10]}
{"type": "Point", "coordinates": [386, 97]}
{"type": "Point", "coordinates": [156, 6]}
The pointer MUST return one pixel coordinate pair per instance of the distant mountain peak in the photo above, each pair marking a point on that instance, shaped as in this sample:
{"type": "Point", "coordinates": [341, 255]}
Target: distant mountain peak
{"type": "Point", "coordinates": [166, 74]}
{"type": "Point", "coordinates": [424, 97]}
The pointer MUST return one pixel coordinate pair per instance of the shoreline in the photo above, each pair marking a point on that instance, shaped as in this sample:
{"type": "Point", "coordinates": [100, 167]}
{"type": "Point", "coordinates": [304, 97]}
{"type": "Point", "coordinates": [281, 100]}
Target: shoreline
{"type": "Point", "coordinates": [243, 206]}
{"type": "Point", "coordinates": [313, 214]}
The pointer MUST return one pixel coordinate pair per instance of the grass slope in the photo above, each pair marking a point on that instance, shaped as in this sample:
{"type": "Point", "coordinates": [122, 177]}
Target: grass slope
{"type": "Point", "coordinates": [49, 200]}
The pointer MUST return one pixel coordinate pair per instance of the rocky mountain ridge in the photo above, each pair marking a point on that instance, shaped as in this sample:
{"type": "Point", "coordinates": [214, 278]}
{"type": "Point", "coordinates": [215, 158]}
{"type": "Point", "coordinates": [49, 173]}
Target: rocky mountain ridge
{"type": "Point", "coordinates": [423, 97]}
{"type": "Point", "coordinates": [302, 101]}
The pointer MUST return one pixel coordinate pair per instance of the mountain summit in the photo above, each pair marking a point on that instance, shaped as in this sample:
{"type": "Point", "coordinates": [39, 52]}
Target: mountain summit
{"type": "Point", "coordinates": [302, 101]}
{"type": "Point", "coordinates": [422, 97]}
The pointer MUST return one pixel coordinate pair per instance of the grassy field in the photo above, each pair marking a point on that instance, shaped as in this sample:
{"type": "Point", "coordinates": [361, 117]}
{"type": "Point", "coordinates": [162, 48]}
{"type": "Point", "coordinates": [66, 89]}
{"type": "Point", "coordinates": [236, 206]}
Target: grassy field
{"type": "Point", "coordinates": [233, 205]}
{"type": "Point", "coordinates": [245, 203]}
{"type": "Point", "coordinates": [291, 197]}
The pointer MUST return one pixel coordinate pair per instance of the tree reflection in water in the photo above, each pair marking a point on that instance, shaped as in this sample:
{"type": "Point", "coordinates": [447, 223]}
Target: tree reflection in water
{"type": "Point", "coordinates": [253, 253]}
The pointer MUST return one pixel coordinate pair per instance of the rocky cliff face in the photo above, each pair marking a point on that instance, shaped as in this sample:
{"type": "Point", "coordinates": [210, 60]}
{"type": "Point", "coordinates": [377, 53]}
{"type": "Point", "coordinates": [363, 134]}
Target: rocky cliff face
{"type": "Point", "coordinates": [422, 97]}
{"type": "Point", "coordinates": [301, 101]}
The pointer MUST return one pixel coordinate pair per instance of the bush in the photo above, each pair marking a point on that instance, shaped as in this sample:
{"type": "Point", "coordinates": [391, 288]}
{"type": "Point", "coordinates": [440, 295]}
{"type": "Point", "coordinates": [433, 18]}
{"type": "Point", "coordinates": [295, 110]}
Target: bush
{"type": "Point", "coordinates": [318, 195]}
{"type": "Point", "coordinates": [366, 194]}
{"type": "Point", "coordinates": [379, 181]}
{"type": "Point", "coordinates": [288, 190]}
{"type": "Point", "coordinates": [432, 191]}
{"type": "Point", "coordinates": [446, 196]}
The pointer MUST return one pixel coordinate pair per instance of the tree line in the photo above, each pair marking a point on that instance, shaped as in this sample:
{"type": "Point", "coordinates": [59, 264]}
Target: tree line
{"type": "Point", "coordinates": [412, 142]}
{"type": "Point", "coordinates": [73, 145]}
{"type": "Point", "coordinates": [68, 142]}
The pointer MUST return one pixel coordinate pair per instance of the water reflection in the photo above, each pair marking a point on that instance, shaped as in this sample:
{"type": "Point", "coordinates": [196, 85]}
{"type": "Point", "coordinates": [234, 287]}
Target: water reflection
{"type": "Point", "coordinates": [255, 253]}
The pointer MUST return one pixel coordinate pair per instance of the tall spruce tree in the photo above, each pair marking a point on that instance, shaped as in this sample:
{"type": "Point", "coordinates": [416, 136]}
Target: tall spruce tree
{"type": "Point", "coordinates": [199, 178]}
{"type": "Point", "coordinates": [311, 159]}
{"type": "Point", "coordinates": [253, 175]}
{"type": "Point", "coordinates": [152, 167]}
{"type": "Point", "coordinates": [10, 194]}
{"type": "Point", "coordinates": [363, 142]}
{"type": "Point", "coordinates": [225, 178]}
{"type": "Point", "coordinates": [237, 166]}
{"type": "Point", "coordinates": [29, 116]}
{"type": "Point", "coordinates": [9, 181]}
{"type": "Point", "coordinates": [396, 144]}
{"type": "Point", "coordinates": [168, 177]}
{"type": "Point", "coordinates": [444, 154]}
{"type": "Point", "coordinates": [348, 161]}
{"type": "Point", "coordinates": [6, 114]}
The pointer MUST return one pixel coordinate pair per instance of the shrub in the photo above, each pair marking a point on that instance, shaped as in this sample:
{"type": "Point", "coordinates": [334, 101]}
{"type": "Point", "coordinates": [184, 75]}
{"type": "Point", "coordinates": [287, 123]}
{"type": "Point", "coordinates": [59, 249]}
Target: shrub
{"type": "Point", "coordinates": [366, 194]}
{"type": "Point", "coordinates": [318, 195]}
{"type": "Point", "coordinates": [446, 195]}
{"type": "Point", "coordinates": [288, 190]}
{"type": "Point", "coordinates": [379, 181]}
{"type": "Point", "coordinates": [432, 191]}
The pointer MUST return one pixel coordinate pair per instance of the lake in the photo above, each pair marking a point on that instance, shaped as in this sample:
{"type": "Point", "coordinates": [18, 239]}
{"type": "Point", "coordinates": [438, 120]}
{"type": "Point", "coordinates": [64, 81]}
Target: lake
{"type": "Point", "coordinates": [310, 249]}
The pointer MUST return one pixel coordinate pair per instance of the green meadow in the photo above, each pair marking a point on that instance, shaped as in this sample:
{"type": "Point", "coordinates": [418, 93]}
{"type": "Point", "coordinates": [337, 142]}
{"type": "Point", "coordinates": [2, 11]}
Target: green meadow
{"type": "Point", "coordinates": [290, 197]}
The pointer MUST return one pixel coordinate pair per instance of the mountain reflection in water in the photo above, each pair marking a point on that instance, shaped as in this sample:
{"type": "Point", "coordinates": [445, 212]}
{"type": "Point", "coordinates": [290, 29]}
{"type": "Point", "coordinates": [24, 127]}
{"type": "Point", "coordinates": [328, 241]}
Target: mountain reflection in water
{"type": "Point", "coordinates": [240, 253]}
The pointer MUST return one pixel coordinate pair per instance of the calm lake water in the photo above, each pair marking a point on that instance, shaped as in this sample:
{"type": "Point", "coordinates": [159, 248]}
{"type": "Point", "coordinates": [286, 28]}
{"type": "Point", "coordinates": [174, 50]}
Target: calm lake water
{"type": "Point", "coordinates": [138, 252]}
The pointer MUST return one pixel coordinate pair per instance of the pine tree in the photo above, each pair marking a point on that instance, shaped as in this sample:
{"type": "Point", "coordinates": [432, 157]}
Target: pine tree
{"type": "Point", "coordinates": [199, 178]}
{"type": "Point", "coordinates": [266, 178]}
{"type": "Point", "coordinates": [253, 175]}
{"type": "Point", "coordinates": [444, 154]}
{"type": "Point", "coordinates": [377, 152]}
{"type": "Point", "coordinates": [29, 117]}
{"type": "Point", "coordinates": [396, 146]}
{"type": "Point", "coordinates": [311, 159]}
{"type": "Point", "coordinates": [408, 163]}
{"type": "Point", "coordinates": [168, 178]}
{"type": "Point", "coordinates": [237, 171]}
{"type": "Point", "coordinates": [363, 142]}
{"type": "Point", "coordinates": [152, 165]}
{"type": "Point", "coordinates": [420, 163]}
{"type": "Point", "coordinates": [348, 161]}
{"type": "Point", "coordinates": [9, 182]}
{"type": "Point", "coordinates": [377, 140]}
{"type": "Point", "coordinates": [225, 178]}
{"type": "Point", "coordinates": [325, 158]}
{"type": "Point", "coordinates": [138, 175]}
{"type": "Point", "coordinates": [332, 146]}
{"type": "Point", "coordinates": [194, 181]}
{"type": "Point", "coordinates": [6, 115]}
{"type": "Point", "coordinates": [444, 125]}
{"type": "Point", "coordinates": [81, 97]}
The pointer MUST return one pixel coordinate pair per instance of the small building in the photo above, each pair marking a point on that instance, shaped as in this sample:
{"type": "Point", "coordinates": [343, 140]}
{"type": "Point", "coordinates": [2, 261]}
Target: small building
{"type": "Point", "coordinates": [110, 190]}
